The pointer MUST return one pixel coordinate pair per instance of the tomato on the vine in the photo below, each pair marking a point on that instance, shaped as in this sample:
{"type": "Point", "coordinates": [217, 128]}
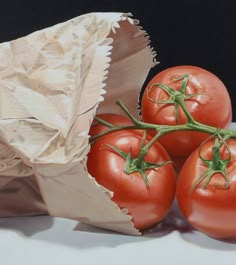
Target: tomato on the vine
{"type": "Point", "coordinates": [115, 119]}
{"type": "Point", "coordinates": [147, 204]}
{"type": "Point", "coordinates": [208, 201]}
{"type": "Point", "coordinates": [206, 98]}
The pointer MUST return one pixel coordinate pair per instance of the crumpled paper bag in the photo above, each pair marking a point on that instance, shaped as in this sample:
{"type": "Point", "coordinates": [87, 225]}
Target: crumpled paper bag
{"type": "Point", "coordinates": [52, 83]}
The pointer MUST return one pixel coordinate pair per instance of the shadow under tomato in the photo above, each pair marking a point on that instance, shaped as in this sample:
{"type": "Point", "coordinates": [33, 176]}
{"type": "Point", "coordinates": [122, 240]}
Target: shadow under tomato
{"type": "Point", "coordinates": [175, 221]}
{"type": "Point", "coordinates": [82, 236]}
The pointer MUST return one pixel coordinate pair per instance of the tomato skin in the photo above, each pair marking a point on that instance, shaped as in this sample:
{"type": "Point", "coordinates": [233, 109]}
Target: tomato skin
{"type": "Point", "coordinates": [211, 210]}
{"type": "Point", "coordinates": [146, 205]}
{"type": "Point", "coordinates": [213, 108]}
{"type": "Point", "coordinates": [116, 119]}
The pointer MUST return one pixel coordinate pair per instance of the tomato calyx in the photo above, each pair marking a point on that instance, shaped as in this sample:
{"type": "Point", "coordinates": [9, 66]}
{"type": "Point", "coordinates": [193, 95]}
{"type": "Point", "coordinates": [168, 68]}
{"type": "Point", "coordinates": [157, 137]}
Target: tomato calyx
{"type": "Point", "coordinates": [176, 97]}
{"type": "Point", "coordinates": [217, 164]}
{"type": "Point", "coordinates": [138, 164]}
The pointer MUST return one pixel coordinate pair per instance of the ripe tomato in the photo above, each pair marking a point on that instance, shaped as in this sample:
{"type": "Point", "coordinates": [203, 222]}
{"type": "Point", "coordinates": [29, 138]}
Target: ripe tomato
{"type": "Point", "coordinates": [112, 118]}
{"type": "Point", "coordinates": [211, 209]}
{"type": "Point", "coordinates": [212, 106]}
{"type": "Point", "coordinates": [146, 204]}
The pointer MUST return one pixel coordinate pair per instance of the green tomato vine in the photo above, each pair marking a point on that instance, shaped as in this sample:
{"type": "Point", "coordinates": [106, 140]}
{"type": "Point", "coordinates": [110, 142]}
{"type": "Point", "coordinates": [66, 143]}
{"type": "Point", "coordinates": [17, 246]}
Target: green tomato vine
{"type": "Point", "coordinates": [177, 98]}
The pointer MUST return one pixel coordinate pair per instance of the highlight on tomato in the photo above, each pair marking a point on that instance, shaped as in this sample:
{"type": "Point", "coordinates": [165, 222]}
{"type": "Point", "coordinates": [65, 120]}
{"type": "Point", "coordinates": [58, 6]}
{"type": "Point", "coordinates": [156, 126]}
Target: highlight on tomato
{"type": "Point", "coordinates": [142, 182]}
{"type": "Point", "coordinates": [206, 98]}
{"type": "Point", "coordinates": [206, 189]}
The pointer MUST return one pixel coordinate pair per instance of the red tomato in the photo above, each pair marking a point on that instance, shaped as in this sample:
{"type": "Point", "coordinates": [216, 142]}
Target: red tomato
{"type": "Point", "coordinates": [210, 209]}
{"type": "Point", "coordinates": [112, 118]}
{"type": "Point", "coordinates": [146, 204]}
{"type": "Point", "coordinates": [212, 106]}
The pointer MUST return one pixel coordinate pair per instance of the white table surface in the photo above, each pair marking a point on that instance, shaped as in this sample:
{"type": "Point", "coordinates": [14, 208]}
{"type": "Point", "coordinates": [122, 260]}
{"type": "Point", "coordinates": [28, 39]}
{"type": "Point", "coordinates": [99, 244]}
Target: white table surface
{"type": "Point", "coordinates": [46, 240]}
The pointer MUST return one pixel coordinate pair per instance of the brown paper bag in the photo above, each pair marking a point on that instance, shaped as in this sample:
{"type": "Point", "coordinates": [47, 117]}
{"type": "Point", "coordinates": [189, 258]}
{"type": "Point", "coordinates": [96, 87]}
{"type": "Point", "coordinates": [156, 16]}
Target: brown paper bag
{"type": "Point", "coordinates": [52, 83]}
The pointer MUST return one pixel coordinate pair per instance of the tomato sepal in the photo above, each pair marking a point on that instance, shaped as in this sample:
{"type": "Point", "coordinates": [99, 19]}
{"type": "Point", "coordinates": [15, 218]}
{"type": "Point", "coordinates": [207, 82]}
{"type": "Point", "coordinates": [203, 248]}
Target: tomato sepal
{"type": "Point", "coordinates": [133, 164]}
{"type": "Point", "coordinates": [216, 165]}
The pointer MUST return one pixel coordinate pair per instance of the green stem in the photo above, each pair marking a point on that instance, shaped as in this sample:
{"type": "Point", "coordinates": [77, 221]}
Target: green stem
{"type": "Point", "coordinates": [144, 149]}
{"type": "Point", "coordinates": [113, 129]}
{"type": "Point", "coordinates": [190, 125]}
{"type": "Point", "coordinates": [164, 129]}
{"type": "Point", "coordinates": [108, 124]}
{"type": "Point", "coordinates": [181, 102]}
{"type": "Point", "coordinates": [134, 120]}
{"type": "Point", "coordinates": [216, 156]}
